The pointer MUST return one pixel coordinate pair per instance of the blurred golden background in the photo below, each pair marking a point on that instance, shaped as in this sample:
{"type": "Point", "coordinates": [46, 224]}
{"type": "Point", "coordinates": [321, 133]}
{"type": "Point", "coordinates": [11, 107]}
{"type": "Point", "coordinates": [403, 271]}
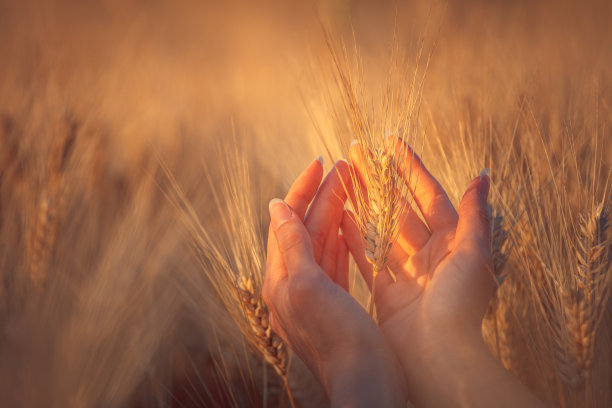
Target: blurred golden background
{"type": "Point", "coordinates": [101, 302]}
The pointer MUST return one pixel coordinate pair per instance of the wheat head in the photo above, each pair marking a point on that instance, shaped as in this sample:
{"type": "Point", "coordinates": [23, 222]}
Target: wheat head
{"type": "Point", "coordinates": [384, 131]}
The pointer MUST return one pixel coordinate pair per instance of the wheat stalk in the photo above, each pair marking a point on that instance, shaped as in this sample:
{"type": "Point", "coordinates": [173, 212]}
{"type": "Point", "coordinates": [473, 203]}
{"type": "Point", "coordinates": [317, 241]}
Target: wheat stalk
{"type": "Point", "coordinates": [384, 133]}
{"type": "Point", "coordinates": [585, 305]}
{"type": "Point", "coordinates": [235, 274]}
{"type": "Point", "coordinates": [267, 342]}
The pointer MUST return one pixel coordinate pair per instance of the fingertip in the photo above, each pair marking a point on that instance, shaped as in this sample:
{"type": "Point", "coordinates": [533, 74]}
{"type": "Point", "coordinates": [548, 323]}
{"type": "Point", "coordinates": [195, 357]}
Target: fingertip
{"type": "Point", "coordinates": [280, 213]}
{"type": "Point", "coordinates": [485, 172]}
{"type": "Point", "coordinates": [342, 165]}
{"type": "Point", "coordinates": [317, 166]}
{"type": "Point", "coordinates": [474, 217]}
{"type": "Point", "coordinates": [484, 181]}
{"type": "Point", "coordinates": [342, 171]}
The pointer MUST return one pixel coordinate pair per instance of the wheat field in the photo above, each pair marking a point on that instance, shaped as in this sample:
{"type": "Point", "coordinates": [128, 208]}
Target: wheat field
{"type": "Point", "coordinates": [142, 140]}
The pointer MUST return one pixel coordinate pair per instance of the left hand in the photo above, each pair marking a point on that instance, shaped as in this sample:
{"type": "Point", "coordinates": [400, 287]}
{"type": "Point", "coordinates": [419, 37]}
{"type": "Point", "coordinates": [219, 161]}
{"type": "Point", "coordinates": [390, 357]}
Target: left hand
{"type": "Point", "coordinates": [305, 289]}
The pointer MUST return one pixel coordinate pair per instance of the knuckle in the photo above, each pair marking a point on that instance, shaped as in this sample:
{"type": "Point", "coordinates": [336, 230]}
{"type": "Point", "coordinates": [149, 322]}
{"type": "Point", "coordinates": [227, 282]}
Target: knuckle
{"type": "Point", "coordinates": [297, 199]}
{"type": "Point", "coordinates": [288, 239]}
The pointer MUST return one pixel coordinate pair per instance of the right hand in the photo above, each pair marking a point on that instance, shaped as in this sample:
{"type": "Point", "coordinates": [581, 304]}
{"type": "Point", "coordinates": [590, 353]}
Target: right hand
{"type": "Point", "coordinates": [432, 314]}
{"type": "Point", "coordinates": [443, 265]}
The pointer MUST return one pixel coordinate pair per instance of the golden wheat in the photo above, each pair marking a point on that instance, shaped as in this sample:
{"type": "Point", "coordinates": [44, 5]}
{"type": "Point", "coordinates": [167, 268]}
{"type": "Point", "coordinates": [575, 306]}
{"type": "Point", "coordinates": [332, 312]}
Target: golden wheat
{"type": "Point", "coordinates": [127, 319]}
{"type": "Point", "coordinates": [381, 194]}
{"type": "Point", "coordinates": [237, 274]}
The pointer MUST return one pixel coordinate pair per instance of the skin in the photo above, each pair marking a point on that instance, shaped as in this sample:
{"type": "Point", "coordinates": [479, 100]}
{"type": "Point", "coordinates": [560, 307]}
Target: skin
{"type": "Point", "coordinates": [427, 346]}
{"type": "Point", "coordinates": [305, 289]}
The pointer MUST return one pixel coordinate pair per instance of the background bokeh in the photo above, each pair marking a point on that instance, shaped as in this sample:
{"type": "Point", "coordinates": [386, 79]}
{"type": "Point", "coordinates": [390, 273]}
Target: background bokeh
{"type": "Point", "coordinates": [115, 311]}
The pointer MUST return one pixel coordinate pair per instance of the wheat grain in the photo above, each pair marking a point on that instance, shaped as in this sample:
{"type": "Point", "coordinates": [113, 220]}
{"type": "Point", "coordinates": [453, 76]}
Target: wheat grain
{"type": "Point", "coordinates": [50, 204]}
{"type": "Point", "coordinates": [383, 132]}
{"type": "Point", "coordinates": [270, 345]}
{"type": "Point", "coordinates": [499, 251]}
{"type": "Point", "coordinates": [235, 274]}
{"type": "Point", "coordinates": [585, 305]}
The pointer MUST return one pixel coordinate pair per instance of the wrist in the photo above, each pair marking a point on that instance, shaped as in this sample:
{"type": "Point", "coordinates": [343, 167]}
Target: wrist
{"type": "Point", "coordinates": [457, 369]}
{"type": "Point", "coordinates": [365, 380]}
{"type": "Point", "coordinates": [436, 360]}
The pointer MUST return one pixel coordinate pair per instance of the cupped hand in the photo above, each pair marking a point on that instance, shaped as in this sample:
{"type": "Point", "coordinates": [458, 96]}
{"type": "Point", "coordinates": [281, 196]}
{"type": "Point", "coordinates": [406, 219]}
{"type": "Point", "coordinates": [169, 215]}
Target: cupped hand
{"type": "Point", "coordinates": [305, 289]}
{"type": "Point", "coordinates": [442, 265]}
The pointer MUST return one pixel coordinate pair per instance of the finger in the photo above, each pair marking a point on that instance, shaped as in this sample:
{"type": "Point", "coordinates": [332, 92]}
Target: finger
{"type": "Point", "coordinates": [342, 268]}
{"type": "Point", "coordinates": [299, 197]}
{"type": "Point", "coordinates": [413, 233]}
{"type": "Point", "coordinates": [472, 252]}
{"type": "Point", "coordinates": [329, 258]}
{"type": "Point", "coordinates": [305, 187]}
{"type": "Point", "coordinates": [438, 211]}
{"type": "Point", "coordinates": [474, 226]}
{"type": "Point", "coordinates": [355, 245]}
{"type": "Point", "coordinates": [291, 237]}
{"type": "Point", "coordinates": [326, 209]}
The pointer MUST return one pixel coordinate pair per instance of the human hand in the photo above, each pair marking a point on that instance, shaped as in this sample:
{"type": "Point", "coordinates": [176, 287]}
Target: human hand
{"type": "Point", "coordinates": [305, 289]}
{"type": "Point", "coordinates": [432, 314]}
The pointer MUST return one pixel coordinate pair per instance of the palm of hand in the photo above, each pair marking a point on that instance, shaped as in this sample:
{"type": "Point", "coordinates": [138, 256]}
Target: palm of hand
{"type": "Point", "coordinates": [442, 264]}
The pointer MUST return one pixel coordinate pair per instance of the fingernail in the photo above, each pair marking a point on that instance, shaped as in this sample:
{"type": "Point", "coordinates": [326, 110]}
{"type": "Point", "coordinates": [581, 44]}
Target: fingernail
{"type": "Point", "coordinates": [485, 181]}
{"type": "Point", "coordinates": [280, 212]}
{"type": "Point", "coordinates": [320, 159]}
{"type": "Point", "coordinates": [354, 142]}
{"type": "Point", "coordinates": [341, 161]}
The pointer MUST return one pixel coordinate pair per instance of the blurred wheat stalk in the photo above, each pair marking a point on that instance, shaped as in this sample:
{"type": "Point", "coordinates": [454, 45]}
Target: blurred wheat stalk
{"type": "Point", "coordinates": [237, 273]}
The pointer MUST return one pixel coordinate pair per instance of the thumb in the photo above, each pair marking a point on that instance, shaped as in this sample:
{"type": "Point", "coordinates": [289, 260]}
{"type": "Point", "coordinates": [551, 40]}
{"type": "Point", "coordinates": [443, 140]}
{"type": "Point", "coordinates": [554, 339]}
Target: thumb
{"type": "Point", "coordinates": [292, 237]}
{"type": "Point", "coordinates": [474, 225]}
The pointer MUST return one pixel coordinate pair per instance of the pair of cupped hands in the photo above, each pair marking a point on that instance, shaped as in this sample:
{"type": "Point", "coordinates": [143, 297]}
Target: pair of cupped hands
{"type": "Point", "coordinates": [426, 346]}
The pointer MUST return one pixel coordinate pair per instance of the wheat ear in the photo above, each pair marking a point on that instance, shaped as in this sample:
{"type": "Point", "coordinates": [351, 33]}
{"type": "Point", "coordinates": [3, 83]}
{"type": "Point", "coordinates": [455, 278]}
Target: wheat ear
{"type": "Point", "coordinates": [269, 343]}
{"type": "Point", "coordinates": [499, 237]}
{"type": "Point", "coordinates": [585, 305]}
{"type": "Point", "coordinates": [382, 215]}
{"type": "Point", "coordinates": [384, 131]}
{"type": "Point", "coordinates": [51, 202]}
{"type": "Point", "coordinates": [235, 270]}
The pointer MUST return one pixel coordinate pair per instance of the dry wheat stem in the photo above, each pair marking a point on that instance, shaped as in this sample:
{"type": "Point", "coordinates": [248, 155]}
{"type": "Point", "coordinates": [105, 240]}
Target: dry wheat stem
{"type": "Point", "coordinates": [235, 274]}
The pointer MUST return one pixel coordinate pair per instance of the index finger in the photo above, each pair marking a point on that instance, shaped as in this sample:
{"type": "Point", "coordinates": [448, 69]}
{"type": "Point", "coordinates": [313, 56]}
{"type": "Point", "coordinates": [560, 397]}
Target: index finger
{"type": "Point", "coordinates": [299, 196]}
